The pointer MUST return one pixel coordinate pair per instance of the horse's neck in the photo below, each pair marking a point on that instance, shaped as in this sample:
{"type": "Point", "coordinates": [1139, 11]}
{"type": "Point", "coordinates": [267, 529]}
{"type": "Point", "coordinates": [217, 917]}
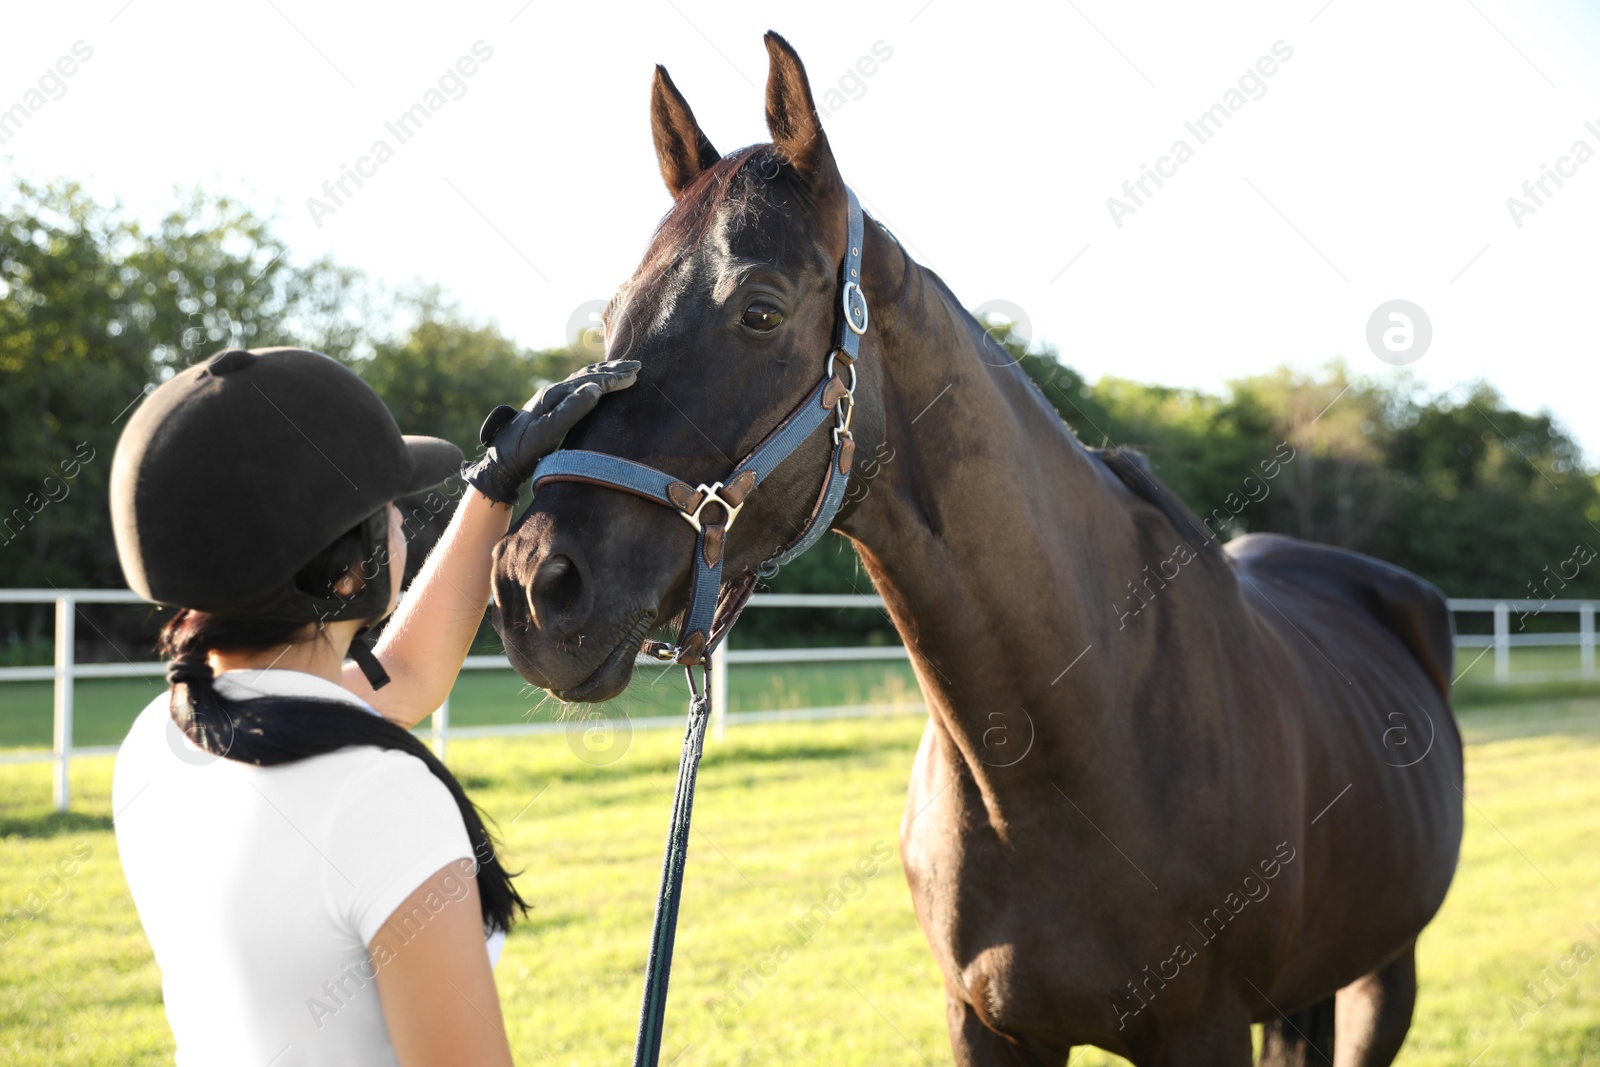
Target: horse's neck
{"type": "Point", "coordinates": [1007, 554]}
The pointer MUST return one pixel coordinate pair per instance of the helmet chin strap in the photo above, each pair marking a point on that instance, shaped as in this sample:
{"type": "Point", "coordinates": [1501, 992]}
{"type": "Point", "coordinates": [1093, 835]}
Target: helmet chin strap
{"type": "Point", "coordinates": [361, 652]}
{"type": "Point", "coordinates": [360, 646]}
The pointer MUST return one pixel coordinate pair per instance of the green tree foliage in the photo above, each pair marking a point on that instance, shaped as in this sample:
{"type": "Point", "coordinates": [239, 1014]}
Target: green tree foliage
{"type": "Point", "coordinates": [444, 373]}
{"type": "Point", "coordinates": [1479, 498]}
{"type": "Point", "coordinates": [95, 309]}
{"type": "Point", "coordinates": [1489, 501]}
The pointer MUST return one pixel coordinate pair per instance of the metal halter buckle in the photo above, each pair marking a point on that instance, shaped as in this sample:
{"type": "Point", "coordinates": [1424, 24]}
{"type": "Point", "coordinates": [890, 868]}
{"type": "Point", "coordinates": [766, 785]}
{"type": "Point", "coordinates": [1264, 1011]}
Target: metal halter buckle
{"type": "Point", "coordinates": [659, 651]}
{"type": "Point", "coordinates": [710, 496]}
{"type": "Point", "coordinates": [847, 410]}
{"type": "Point", "coordinates": [847, 403]}
{"type": "Point", "coordinates": [849, 316]}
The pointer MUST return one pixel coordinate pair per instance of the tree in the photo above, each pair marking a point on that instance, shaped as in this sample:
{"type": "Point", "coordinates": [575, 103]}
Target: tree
{"type": "Point", "coordinates": [1491, 501]}
{"type": "Point", "coordinates": [444, 373]}
{"type": "Point", "coordinates": [441, 376]}
{"type": "Point", "coordinates": [1476, 497]}
{"type": "Point", "coordinates": [94, 311]}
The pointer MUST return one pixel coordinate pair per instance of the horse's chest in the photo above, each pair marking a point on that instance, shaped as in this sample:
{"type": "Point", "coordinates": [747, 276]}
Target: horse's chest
{"type": "Point", "coordinates": [1031, 924]}
{"type": "Point", "coordinates": [994, 910]}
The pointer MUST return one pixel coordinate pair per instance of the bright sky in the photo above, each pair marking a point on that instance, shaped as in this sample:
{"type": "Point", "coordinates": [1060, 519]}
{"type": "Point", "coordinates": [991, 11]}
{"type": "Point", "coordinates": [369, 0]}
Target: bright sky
{"type": "Point", "coordinates": [1373, 164]}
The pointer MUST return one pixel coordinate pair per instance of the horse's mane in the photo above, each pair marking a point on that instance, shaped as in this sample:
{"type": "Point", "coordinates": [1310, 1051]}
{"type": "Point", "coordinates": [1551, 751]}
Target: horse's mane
{"type": "Point", "coordinates": [1131, 466]}
{"type": "Point", "coordinates": [1133, 469]}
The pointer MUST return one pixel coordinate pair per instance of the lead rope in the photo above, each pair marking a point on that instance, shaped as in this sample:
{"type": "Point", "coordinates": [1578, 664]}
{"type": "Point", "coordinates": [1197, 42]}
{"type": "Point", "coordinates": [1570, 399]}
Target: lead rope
{"type": "Point", "coordinates": [658, 968]}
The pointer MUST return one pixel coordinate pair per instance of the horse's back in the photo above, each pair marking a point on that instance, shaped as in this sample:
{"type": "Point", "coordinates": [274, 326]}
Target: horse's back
{"type": "Point", "coordinates": [1413, 609]}
{"type": "Point", "coordinates": [1375, 646]}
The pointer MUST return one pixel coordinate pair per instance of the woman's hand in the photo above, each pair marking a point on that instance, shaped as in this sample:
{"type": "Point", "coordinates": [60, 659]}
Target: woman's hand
{"type": "Point", "coordinates": [424, 643]}
{"type": "Point", "coordinates": [515, 441]}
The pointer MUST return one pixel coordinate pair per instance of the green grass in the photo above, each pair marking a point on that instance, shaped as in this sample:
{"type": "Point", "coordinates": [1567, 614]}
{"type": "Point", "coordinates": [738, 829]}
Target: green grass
{"type": "Point", "coordinates": [1475, 665]}
{"type": "Point", "coordinates": [1476, 684]}
{"type": "Point", "coordinates": [784, 812]}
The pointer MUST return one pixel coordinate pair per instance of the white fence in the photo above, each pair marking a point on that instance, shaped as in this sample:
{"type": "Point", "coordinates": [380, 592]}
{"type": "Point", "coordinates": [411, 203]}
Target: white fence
{"type": "Point", "coordinates": [1503, 640]}
{"type": "Point", "coordinates": [66, 670]}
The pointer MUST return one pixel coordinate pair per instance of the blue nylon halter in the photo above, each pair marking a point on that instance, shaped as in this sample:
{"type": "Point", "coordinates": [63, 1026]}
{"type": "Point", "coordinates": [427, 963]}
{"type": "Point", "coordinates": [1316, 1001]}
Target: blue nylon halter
{"type": "Point", "coordinates": [701, 629]}
{"type": "Point", "coordinates": [834, 396]}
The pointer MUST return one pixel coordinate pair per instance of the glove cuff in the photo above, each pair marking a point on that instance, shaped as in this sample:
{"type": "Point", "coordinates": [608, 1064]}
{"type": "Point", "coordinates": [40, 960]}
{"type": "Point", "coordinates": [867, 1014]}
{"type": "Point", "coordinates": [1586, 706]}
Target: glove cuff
{"type": "Point", "coordinates": [488, 478]}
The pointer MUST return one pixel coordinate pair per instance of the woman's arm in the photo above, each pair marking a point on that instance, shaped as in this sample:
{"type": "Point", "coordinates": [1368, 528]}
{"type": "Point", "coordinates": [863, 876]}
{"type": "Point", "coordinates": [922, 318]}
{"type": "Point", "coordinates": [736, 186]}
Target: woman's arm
{"type": "Point", "coordinates": [432, 630]}
{"type": "Point", "coordinates": [434, 980]}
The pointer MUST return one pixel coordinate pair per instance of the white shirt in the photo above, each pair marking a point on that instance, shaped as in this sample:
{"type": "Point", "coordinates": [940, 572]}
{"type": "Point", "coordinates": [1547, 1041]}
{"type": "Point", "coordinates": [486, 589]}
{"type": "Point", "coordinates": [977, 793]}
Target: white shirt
{"type": "Point", "coordinates": [260, 888]}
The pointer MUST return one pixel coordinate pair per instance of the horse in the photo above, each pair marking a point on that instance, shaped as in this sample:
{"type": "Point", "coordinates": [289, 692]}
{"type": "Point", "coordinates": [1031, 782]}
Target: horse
{"type": "Point", "coordinates": [1168, 787]}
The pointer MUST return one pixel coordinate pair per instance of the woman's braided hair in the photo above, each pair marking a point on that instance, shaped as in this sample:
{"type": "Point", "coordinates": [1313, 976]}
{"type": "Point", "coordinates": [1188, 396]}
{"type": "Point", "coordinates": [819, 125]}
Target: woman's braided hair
{"type": "Point", "coordinates": [268, 731]}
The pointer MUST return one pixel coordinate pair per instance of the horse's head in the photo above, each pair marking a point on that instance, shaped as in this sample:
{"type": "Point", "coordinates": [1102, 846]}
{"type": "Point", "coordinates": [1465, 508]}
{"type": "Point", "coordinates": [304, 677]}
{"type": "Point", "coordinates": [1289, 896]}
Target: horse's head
{"type": "Point", "coordinates": [732, 315]}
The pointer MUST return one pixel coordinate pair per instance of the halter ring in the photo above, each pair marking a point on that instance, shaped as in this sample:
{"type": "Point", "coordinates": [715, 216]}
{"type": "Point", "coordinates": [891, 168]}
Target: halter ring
{"type": "Point", "coordinates": [849, 317]}
{"type": "Point", "coordinates": [828, 370]}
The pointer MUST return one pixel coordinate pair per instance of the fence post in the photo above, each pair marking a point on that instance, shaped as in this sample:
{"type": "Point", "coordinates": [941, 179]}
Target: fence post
{"type": "Point", "coordinates": [66, 620]}
{"type": "Point", "coordinates": [441, 728]}
{"type": "Point", "coordinates": [1502, 642]}
{"type": "Point", "coordinates": [1586, 639]}
{"type": "Point", "coordinates": [719, 690]}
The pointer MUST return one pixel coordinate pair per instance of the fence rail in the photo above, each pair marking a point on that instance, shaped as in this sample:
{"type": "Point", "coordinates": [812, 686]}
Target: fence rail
{"type": "Point", "coordinates": [66, 670]}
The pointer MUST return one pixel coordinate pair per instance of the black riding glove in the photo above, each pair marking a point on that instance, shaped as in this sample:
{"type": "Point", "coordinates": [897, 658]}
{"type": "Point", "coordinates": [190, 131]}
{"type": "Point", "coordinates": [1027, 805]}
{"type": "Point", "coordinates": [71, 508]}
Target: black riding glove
{"type": "Point", "coordinates": [515, 441]}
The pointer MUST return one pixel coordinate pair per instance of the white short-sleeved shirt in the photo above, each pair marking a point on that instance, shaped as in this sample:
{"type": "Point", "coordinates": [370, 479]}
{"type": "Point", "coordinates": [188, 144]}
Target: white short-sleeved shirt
{"type": "Point", "coordinates": [260, 888]}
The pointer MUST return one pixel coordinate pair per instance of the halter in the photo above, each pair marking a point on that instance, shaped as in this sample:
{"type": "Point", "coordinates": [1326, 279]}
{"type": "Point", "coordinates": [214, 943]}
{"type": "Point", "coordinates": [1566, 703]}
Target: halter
{"type": "Point", "coordinates": [713, 611]}
{"type": "Point", "coordinates": [704, 625]}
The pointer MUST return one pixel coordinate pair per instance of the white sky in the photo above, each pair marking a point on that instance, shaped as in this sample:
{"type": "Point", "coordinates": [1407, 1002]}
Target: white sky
{"type": "Point", "coordinates": [1377, 165]}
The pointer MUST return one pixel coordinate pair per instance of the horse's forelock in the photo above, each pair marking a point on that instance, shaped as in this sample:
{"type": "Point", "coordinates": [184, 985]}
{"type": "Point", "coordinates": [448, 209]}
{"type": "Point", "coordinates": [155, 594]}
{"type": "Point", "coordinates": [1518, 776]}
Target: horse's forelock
{"type": "Point", "coordinates": [732, 189]}
{"type": "Point", "coordinates": [727, 182]}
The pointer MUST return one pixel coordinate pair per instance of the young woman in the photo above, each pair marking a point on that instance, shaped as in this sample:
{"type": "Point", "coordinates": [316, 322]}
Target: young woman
{"type": "Point", "coordinates": [315, 884]}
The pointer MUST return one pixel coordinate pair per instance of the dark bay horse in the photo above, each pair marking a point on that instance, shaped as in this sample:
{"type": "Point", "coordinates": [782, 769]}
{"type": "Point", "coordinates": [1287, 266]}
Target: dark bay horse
{"type": "Point", "coordinates": [1167, 788]}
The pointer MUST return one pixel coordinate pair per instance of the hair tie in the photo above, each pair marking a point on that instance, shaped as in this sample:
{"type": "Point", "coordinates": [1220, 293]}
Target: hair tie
{"type": "Point", "coordinates": [189, 671]}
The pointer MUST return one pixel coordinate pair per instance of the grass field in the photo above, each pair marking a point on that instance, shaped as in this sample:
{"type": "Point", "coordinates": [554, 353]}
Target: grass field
{"type": "Point", "coordinates": [784, 815]}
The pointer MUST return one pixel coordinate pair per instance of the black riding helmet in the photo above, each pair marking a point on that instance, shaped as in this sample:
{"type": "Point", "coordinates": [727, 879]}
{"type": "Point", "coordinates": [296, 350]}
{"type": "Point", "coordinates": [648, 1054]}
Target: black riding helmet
{"type": "Point", "coordinates": [237, 472]}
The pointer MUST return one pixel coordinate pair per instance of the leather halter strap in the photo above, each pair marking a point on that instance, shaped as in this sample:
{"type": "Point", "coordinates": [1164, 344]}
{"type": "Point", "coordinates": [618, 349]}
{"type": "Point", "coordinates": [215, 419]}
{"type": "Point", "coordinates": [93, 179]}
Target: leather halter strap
{"type": "Point", "coordinates": [704, 625]}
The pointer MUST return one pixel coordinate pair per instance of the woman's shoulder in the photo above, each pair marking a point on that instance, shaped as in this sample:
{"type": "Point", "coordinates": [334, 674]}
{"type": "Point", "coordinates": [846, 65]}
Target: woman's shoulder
{"type": "Point", "coordinates": [153, 748]}
{"type": "Point", "coordinates": [389, 774]}
{"type": "Point", "coordinates": [154, 739]}
{"type": "Point", "coordinates": [393, 825]}
{"type": "Point", "coordinates": [365, 782]}
{"type": "Point", "coordinates": [393, 790]}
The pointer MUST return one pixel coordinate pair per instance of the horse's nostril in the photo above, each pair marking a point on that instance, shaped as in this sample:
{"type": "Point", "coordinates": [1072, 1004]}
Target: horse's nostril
{"type": "Point", "coordinates": [550, 575]}
{"type": "Point", "coordinates": [555, 588]}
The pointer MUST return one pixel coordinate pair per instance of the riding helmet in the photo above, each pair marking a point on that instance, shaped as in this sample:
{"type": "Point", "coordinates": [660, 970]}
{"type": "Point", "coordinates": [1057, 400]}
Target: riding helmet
{"type": "Point", "coordinates": [238, 471]}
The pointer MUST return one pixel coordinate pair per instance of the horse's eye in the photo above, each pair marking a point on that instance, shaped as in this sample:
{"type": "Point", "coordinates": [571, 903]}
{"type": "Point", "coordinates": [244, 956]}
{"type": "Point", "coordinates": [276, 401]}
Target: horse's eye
{"type": "Point", "coordinates": [762, 317]}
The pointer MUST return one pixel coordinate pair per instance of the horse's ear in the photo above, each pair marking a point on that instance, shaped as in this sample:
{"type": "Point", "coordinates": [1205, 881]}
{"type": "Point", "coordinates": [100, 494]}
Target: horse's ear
{"type": "Point", "coordinates": [681, 148]}
{"type": "Point", "coordinates": [792, 117]}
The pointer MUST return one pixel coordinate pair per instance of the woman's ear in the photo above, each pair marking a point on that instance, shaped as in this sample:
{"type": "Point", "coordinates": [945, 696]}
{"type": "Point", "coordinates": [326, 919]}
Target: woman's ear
{"type": "Point", "coordinates": [349, 583]}
{"type": "Point", "coordinates": [398, 549]}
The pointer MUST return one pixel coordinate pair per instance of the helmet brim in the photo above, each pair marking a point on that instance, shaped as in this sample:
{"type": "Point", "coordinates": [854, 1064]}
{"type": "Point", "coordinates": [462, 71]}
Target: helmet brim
{"type": "Point", "coordinates": [435, 460]}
